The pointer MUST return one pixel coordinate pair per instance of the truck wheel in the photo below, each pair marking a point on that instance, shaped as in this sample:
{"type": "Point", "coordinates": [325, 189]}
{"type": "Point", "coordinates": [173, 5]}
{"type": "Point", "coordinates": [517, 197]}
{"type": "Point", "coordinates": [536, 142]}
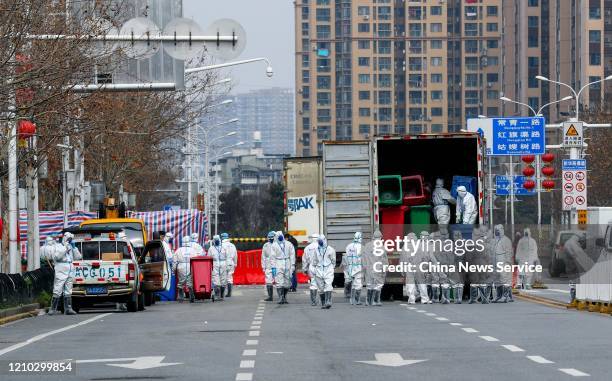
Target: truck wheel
{"type": "Point", "coordinates": [141, 302]}
{"type": "Point", "coordinates": [132, 303]}
{"type": "Point", "coordinates": [148, 298]}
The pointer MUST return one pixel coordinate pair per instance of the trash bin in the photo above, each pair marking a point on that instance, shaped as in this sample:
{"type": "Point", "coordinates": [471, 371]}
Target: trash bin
{"type": "Point", "coordinates": [392, 221]}
{"type": "Point", "coordinates": [413, 191]}
{"type": "Point", "coordinates": [420, 218]}
{"type": "Point", "coordinates": [470, 183]}
{"type": "Point", "coordinates": [201, 274]}
{"type": "Point", "coordinates": [390, 190]}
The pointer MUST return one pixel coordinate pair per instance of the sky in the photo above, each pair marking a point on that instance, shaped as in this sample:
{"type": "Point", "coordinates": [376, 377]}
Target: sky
{"type": "Point", "coordinates": [270, 34]}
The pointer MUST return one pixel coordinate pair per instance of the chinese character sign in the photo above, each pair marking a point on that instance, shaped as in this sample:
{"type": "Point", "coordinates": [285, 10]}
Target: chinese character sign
{"type": "Point", "coordinates": [518, 136]}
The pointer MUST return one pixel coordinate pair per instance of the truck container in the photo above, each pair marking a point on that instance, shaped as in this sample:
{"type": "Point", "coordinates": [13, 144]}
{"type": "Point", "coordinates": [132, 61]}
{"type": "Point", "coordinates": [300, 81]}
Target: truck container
{"type": "Point", "coordinates": [303, 216]}
{"type": "Point", "coordinates": [351, 170]}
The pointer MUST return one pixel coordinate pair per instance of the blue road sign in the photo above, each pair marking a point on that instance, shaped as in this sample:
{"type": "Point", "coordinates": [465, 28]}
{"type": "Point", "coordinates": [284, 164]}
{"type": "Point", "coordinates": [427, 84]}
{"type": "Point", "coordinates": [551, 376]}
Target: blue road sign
{"type": "Point", "coordinates": [574, 165]}
{"type": "Point", "coordinates": [502, 186]}
{"type": "Point", "coordinates": [518, 136]}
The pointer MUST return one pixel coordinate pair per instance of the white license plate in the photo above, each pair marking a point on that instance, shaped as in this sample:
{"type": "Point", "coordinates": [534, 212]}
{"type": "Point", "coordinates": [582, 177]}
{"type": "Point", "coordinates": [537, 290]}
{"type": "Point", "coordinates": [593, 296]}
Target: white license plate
{"type": "Point", "coordinates": [105, 273]}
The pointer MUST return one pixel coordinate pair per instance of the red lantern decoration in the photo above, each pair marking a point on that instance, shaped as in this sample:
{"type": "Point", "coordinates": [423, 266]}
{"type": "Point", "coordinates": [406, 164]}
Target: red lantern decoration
{"type": "Point", "coordinates": [528, 159]}
{"type": "Point", "coordinates": [529, 184]}
{"type": "Point", "coordinates": [548, 170]}
{"type": "Point", "coordinates": [548, 157]}
{"type": "Point", "coordinates": [548, 184]}
{"type": "Point", "coordinates": [26, 129]}
{"type": "Point", "coordinates": [529, 171]}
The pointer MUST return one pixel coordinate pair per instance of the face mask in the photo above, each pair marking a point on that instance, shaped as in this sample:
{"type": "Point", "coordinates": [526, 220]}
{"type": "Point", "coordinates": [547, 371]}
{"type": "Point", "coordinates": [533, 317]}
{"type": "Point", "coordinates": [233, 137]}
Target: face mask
{"type": "Point", "coordinates": [321, 243]}
{"type": "Point", "coordinates": [497, 233]}
{"type": "Point", "coordinates": [270, 240]}
{"type": "Point", "coordinates": [281, 238]}
{"type": "Point", "coordinates": [526, 234]}
{"type": "Point", "coordinates": [217, 242]}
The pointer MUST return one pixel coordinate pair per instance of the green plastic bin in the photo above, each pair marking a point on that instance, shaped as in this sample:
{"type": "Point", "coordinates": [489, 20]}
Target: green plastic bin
{"type": "Point", "coordinates": [390, 190]}
{"type": "Point", "coordinates": [420, 218]}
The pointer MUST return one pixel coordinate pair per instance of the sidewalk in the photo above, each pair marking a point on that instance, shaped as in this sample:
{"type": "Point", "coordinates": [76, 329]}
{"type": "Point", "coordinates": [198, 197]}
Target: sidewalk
{"type": "Point", "coordinates": [557, 289]}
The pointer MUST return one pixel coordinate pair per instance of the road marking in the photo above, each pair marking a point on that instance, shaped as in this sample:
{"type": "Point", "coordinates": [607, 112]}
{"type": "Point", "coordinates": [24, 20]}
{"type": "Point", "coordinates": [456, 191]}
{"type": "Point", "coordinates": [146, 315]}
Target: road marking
{"type": "Point", "coordinates": [50, 333]}
{"type": "Point", "coordinates": [255, 322]}
{"type": "Point", "coordinates": [139, 363]}
{"type": "Point", "coordinates": [488, 338]}
{"type": "Point", "coordinates": [249, 352]}
{"type": "Point", "coordinates": [513, 348]}
{"type": "Point", "coordinates": [274, 353]}
{"type": "Point", "coordinates": [456, 324]}
{"type": "Point", "coordinates": [421, 311]}
{"type": "Point", "coordinates": [574, 372]}
{"type": "Point", "coordinates": [247, 364]}
{"type": "Point", "coordinates": [442, 318]}
{"type": "Point", "coordinates": [412, 308]}
{"type": "Point", "coordinates": [252, 342]}
{"type": "Point", "coordinates": [253, 333]}
{"type": "Point", "coordinates": [255, 327]}
{"type": "Point", "coordinates": [390, 359]}
{"type": "Point", "coordinates": [259, 314]}
{"type": "Point", "coordinates": [244, 376]}
{"type": "Point", "coordinates": [540, 360]}
{"type": "Point", "coordinates": [258, 318]}
{"type": "Point", "coordinates": [469, 330]}
{"type": "Point", "coordinates": [430, 314]}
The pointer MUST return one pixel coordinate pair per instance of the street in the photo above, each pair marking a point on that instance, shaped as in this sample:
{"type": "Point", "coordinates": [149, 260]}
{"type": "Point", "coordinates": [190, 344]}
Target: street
{"type": "Point", "coordinates": [245, 338]}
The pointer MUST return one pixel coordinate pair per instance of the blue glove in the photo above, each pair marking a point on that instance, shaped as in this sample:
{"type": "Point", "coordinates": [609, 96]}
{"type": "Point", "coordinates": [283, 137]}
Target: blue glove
{"type": "Point", "coordinates": [274, 271]}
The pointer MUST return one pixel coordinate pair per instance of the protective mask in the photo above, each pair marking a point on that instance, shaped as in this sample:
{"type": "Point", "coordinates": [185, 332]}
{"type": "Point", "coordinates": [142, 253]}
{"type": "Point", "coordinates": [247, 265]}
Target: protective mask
{"type": "Point", "coordinates": [497, 233]}
{"type": "Point", "coordinates": [270, 240]}
{"type": "Point", "coordinates": [217, 242]}
{"type": "Point", "coordinates": [321, 243]}
{"type": "Point", "coordinates": [526, 234]}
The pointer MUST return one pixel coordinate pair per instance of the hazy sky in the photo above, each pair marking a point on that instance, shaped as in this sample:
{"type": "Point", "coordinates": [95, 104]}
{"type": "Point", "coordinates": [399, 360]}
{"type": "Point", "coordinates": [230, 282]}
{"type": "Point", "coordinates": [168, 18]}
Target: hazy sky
{"type": "Point", "coordinates": [270, 33]}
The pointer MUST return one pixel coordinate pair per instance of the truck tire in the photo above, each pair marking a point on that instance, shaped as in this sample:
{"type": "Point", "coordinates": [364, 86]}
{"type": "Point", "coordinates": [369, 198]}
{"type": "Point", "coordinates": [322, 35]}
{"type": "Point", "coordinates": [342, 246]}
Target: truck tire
{"type": "Point", "coordinates": [132, 302]}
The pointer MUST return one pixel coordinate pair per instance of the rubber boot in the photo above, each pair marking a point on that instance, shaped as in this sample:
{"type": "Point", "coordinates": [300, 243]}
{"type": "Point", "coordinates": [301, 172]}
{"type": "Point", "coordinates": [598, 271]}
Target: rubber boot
{"type": "Point", "coordinates": [510, 297]}
{"type": "Point", "coordinates": [485, 292]}
{"type": "Point", "coordinates": [68, 306]}
{"type": "Point", "coordinates": [270, 291]}
{"type": "Point", "coordinates": [435, 294]}
{"type": "Point", "coordinates": [369, 297]}
{"type": "Point", "coordinates": [458, 295]}
{"type": "Point", "coordinates": [328, 299]}
{"type": "Point", "coordinates": [229, 290]}
{"type": "Point", "coordinates": [499, 293]}
{"type": "Point", "coordinates": [445, 295]}
{"type": "Point", "coordinates": [473, 294]}
{"type": "Point", "coordinates": [352, 298]}
{"type": "Point", "coordinates": [286, 290]}
{"type": "Point", "coordinates": [429, 293]}
{"type": "Point", "coordinates": [280, 293]}
{"type": "Point", "coordinates": [347, 289]}
{"type": "Point", "coordinates": [54, 305]}
{"type": "Point", "coordinates": [313, 297]}
{"type": "Point", "coordinates": [191, 296]}
{"type": "Point", "coordinates": [322, 296]}
{"type": "Point", "coordinates": [505, 292]}
{"type": "Point", "coordinates": [221, 293]}
{"type": "Point", "coordinates": [216, 292]}
{"type": "Point", "coordinates": [181, 294]}
{"type": "Point", "coordinates": [357, 297]}
{"type": "Point", "coordinates": [377, 302]}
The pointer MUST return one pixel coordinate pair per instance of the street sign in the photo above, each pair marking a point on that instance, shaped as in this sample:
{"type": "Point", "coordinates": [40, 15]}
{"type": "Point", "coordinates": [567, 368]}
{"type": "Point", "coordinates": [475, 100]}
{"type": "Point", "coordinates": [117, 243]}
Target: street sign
{"type": "Point", "coordinates": [511, 136]}
{"type": "Point", "coordinates": [572, 134]}
{"type": "Point", "coordinates": [574, 176]}
{"type": "Point", "coordinates": [502, 186]}
{"type": "Point", "coordinates": [582, 217]}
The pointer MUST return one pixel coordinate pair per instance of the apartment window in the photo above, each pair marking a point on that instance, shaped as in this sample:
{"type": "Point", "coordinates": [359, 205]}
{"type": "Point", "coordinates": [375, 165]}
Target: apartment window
{"type": "Point", "coordinates": [436, 111]}
{"type": "Point", "coordinates": [435, 11]}
{"type": "Point", "coordinates": [305, 13]}
{"type": "Point", "coordinates": [305, 106]}
{"type": "Point", "coordinates": [323, 2]}
{"type": "Point", "coordinates": [363, 28]}
{"type": "Point", "coordinates": [415, 128]}
{"type": "Point", "coordinates": [492, 61]}
{"type": "Point", "coordinates": [492, 94]}
{"type": "Point", "coordinates": [364, 112]}
{"type": "Point", "coordinates": [533, 31]}
{"type": "Point", "coordinates": [595, 86]}
{"type": "Point", "coordinates": [491, 10]}
{"type": "Point", "coordinates": [493, 77]}
{"type": "Point", "coordinates": [436, 95]}
{"type": "Point", "coordinates": [435, 44]}
{"type": "Point", "coordinates": [492, 44]}
{"type": "Point", "coordinates": [305, 29]}
{"type": "Point", "coordinates": [471, 46]}
{"type": "Point", "coordinates": [323, 32]}
{"type": "Point", "coordinates": [415, 64]}
{"type": "Point", "coordinates": [595, 47]}
{"type": "Point", "coordinates": [384, 97]}
{"type": "Point", "coordinates": [471, 97]}
{"type": "Point", "coordinates": [436, 61]}
{"type": "Point", "coordinates": [363, 11]}
{"type": "Point", "coordinates": [324, 115]}
{"type": "Point", "coordinates": [306, 123]}
{"type": "Point", "coordinates": [306, 92]}
{"type": "Point", "coordinates": [436, 78]}
{"type": "Point", "coordinates": [384, 80]}
{"type": "Point", "coordinates": [415, 30]}
{"type": "Point", "coordinates": [414, 13]}
{"type": "Point", "coordinates": [471, 63]}
{"type": "Point", "coordinates": [305, 60]}
{"type": "Point", "coordinates": [363, 44]}
{"type": "Point", "coordinates": [415, 80]}
{"type": "Point", "coordinates": [492, 111]}
{"type": "Point", "coordinates": [364, 129]}
{"type": "Point", "coordinates": [415, 97]}
{"type": "Point", "coordinates": [471, 29]}
{"type": "Point", "coordinates": [435, 27]}
{"type": "Point", "coordinates": [364, 95]}
{"type": "Point", "coordinates": [384, 114]}
{"type": "Point", "coordinates": [594, 36]}
{"type": "Point", "coordinates": [384, 63]}
{"type": "Point", "coordinates": [364, 61]}
{"type": "Point", "coordinates": [384, 129]}
{"type": "Point", "coordinates": [532, 3]}
{"type": "Point", "coordinates": [384, 47]}
{"type": "Point", "coordinates": [492, 27]}
{"type": "Point", "coordinates": [323, 132]}
{"type": "Point", "coordinates": [471, 112]}
{"type": "Point", "coordinates": [436, 128]}
{"type": "Point", "coordinates": [364, 78]}
{"type": "Point", "coordinates": [323, 65]}
{"type": "Point", "coordinates": [595, 9]}
{"type": "Point", "coordinates": [324, 82]}
{"type": "Point", "coordinates": [471, 80]}
{"type": "Point", "coordinates": [384, 13]}
{"type": "Point", "coordinates": [533, 69]}
{"type": "Point", "coordinates": [305, 76]}
{"type": "Point", "coordinates": [323, 14]}
{"type": "Point", "coordinates": [534, 102]}
{"type": "Point", "coordinates": [323, 98]}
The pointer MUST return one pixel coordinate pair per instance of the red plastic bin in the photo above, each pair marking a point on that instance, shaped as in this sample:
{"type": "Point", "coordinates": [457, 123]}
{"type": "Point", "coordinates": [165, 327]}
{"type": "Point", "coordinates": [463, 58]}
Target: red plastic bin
{"type": "Point", "coordinates": [414, 191]}
{"type": "Point", "coordinates": [201, 273]}
{"type": "Point", "coordinates": [393, 219]}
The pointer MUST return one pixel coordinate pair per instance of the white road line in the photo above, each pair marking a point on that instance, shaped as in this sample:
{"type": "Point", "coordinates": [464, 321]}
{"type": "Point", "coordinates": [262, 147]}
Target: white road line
{"type": "Point", "coordinates": [540, 360]}
{"type": "Point", "coordinates": [244, 376]}
{"type": "Point", "coordinates": [403, 304]}
{"type": "Point", "coordinates": [488, 338]}
{"type": "Point", "coordinates": [412, 308]}
{"type": "Point", "coordinates": [50, 333]}
{"type": "Point", "coordinates": [259, 314]}
{"type": "Point", "coordinates": [469, 330]}
{"type": "Point", "coordinates": [249, 352]}
{"type": "Point", "coordinates": [255, 322]}
{"type": "Point", "coordinates": [421, 311]}
{"type": "Point", "coordinates": [574, 372]}
{"type": "Point", "coordinates": [456, 324]}
{"type": "Point", "coordinates": [252, 342]}
{"type": "Point", "coordinates": [247, 364]}
{"type": "Point", "coordinates": [430, 314]}
{"type": "Point", "coordinates": [440, 318]}
{"type": "Point", "coordinates": [253, 333]}
{"type": "Point", "coordinates": [513, 348]}
{"type": "Point", "coordinates": [255, 327]}
{"type": "Point", "coordinates": [258, 318]}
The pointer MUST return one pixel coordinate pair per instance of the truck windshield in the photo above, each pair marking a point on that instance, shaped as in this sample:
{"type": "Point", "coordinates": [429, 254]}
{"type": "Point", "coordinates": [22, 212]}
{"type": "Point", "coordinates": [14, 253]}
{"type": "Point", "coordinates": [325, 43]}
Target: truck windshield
{"type": "Point", "coordinates": [93, 250]}
{"type": "Point", "coordinates": [133, 231]}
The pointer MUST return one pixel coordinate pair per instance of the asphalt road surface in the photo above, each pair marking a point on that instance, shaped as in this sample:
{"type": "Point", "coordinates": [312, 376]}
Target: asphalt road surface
{"type": "Point", "coordinates": [245, 338]}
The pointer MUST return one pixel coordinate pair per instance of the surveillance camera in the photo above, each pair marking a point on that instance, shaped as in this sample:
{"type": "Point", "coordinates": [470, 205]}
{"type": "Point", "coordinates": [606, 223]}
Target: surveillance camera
{"type": "Point", "coordinates": [269, 72]}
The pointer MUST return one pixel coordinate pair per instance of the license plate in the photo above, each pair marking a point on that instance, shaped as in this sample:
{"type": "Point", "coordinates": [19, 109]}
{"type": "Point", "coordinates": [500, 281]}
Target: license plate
{"type": "Point", "coordinates": [105, 273]}
{"type": "Point", "coordinates": [97, 290]}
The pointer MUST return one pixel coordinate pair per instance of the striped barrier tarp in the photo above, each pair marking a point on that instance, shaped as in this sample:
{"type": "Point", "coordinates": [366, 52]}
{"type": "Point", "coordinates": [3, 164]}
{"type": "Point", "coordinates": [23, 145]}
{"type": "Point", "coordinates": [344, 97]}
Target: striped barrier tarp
{"type": "Point", "coordinates": [249, 269]}
{"type": "Point", "coordinates": [178, 222]}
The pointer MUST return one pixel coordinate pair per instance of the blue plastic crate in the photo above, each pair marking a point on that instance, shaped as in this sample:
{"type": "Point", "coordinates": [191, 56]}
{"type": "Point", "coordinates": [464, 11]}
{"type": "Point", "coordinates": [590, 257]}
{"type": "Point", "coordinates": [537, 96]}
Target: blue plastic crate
{"type": "Point", "coordinates": [470, 183]}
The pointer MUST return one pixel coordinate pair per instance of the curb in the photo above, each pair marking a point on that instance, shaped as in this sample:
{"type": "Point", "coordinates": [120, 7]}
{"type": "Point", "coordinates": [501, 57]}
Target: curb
{"type": "Point", "coordinates": [544, 301]}
{"type": "Point", "coordinates": [16, 317]}
{"type": "Point", "coordinates": [15, 313]}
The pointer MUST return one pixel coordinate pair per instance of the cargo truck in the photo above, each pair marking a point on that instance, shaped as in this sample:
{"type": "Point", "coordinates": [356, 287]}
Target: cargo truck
{"type": "Point", "coordinates": [350, 178]}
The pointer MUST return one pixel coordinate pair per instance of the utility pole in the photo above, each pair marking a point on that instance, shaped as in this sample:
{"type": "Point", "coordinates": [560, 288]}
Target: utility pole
{"type": "Point", "coordinates": [32, 210]}
{"type": "Point", "coordinates": [13, 222]}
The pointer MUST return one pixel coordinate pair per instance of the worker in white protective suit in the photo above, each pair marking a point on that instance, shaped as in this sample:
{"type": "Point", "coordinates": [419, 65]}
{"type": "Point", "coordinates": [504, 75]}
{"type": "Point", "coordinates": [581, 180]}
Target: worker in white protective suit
{"type": "Point", "coordinates": [198, 250]}
{"type": "Point", "coordinates": [283, 266]}
{"type": "Point", "coordinates": [182, 266]}
{"type": "Point", "coordinates": [219, 275]}
{"type": "Point", "coordinates": [467, 210]}
{"type": "Point", "coordinates": [374, 260]}
{"type": "Point", "coordinates": [352, 267]}
{"type": "Point", "coordinates": [266, 265]}
{"type": "Point", "coordinates": [501, 250]}
{"type": "Point", "coordinates": [526, 254]}
{"type": "Point", "coordinates": [423, 257]}
{"type": "Point", "coordinates": [62, 256]}
{"type": "Point", "coordinates": [440, 280]}
{"type": "Point", "coordinates": [47, 249]}
{"type": "Point", "coordinates": [441, 198]}
{"type": "Point", "coordinates": [408, 257]}
{"type": "Point", "coordinates": [457, 278]}
{"type": "Point", "coordinates": [232, 261]}
{"type": "Point", "coordinates": [324, 263]}
{"type": "Point", "coordinates": [310, 251]}
{"type": "Point", "coordinates": [167, 244]}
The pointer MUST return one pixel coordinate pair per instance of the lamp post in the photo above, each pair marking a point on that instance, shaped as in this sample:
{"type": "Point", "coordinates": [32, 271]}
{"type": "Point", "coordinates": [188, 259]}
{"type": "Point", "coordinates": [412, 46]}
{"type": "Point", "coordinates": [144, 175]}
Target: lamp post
{"type": "Point", "coordinates": [269, 70]}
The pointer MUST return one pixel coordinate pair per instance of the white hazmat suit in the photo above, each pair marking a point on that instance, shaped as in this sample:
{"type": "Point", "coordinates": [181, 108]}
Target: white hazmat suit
{"type": "Point", "coordinates": [352, 267]}
{"type": "Point", "coordinates": [374, 259]}
{"type": "Point", "coordinates": [219, 275]}
{"type": "Point", "coordinates": [266, 265]}
{"type": "Point", "coordinates": [283, 266]}
{"type": "Point", "coordinates": [324, 263]}
{"type": "Point", "coordinates": [308, 268]}
{"type": "Point", "coordinates": [182, 266]}
{"type": "Point", "coordinates": [232, 262]}
{"type": "Point", "coordinates": [62, 256]}
{"type": "Point", "coordinates": [526, 253]}
{"type": "Point", "coordinates": [501, 250]}
{"type": "Point", "coordinates": [467, 210]}
{"type": "Point", "coordinates": [441, 198]}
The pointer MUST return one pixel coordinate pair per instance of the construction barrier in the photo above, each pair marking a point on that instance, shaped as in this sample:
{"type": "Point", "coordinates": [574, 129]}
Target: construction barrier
{"type": "Point", "coordinates": [594, 288]}
{"type": "Point", "coordinates": [249, 269]}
